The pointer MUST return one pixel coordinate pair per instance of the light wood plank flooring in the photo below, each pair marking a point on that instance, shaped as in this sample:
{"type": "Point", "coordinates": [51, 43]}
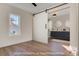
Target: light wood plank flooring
{"type": "Point", "coordinates": [33, 48]}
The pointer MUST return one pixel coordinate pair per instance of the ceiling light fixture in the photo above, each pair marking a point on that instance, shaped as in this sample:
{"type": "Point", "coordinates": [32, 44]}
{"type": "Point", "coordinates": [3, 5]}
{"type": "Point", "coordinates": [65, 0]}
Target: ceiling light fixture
{"type": "Point", "coordinates": [54, 14]}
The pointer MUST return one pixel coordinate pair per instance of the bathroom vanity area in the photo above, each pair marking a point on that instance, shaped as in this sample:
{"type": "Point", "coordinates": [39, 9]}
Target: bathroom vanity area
{"type": "Point", "coordinates": [62, 35]}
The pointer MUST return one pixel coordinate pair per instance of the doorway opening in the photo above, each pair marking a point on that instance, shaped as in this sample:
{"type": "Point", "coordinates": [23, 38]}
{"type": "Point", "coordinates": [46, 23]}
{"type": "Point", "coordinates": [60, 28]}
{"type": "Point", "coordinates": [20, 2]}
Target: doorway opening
{"type": "Point", "coordinates": [59, 27]}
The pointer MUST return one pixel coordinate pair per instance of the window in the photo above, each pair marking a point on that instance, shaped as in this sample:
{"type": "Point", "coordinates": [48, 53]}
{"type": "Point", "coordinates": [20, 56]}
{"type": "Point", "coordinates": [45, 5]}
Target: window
{"type": "Point", "coordinates": [14, 23]}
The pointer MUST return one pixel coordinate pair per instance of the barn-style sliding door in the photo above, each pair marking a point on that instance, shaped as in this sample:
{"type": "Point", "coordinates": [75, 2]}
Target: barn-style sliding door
{"type": "Point", "coordinates": [40, 27]}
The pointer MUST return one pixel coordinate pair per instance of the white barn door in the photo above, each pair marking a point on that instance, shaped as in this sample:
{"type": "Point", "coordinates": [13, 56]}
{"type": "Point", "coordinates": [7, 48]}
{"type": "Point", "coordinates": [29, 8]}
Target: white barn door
{"type": "Point", "coordinates": [40, 27]}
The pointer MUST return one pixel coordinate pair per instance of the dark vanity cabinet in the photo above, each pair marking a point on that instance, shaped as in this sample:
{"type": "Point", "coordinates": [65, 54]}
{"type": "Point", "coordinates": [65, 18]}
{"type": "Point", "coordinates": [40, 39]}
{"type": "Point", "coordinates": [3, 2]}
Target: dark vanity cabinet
{"type": "Point", "coordinates": [62, 35]}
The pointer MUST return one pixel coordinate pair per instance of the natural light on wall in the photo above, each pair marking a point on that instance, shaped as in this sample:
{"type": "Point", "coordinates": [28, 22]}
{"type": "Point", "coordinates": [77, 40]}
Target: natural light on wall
{"type": "Point", "coordinates": [14, 25]}
{"type": "Point", "coordinates": [67, 23]}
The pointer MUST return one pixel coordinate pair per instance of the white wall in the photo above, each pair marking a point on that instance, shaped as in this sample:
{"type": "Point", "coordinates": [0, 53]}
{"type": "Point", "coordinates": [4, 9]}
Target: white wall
{"type": "Point", "coordinates": [74, 25]}
{"type": "Point", "coordinates": [62, 19]}
{"type": "Point", "coordinates": [26, 25]}
{"type": "Point", "coordinates": [78, 31]}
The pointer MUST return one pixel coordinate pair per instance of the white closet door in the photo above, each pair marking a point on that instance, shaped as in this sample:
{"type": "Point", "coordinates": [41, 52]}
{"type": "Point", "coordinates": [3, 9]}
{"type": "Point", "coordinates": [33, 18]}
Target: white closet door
{"type": "Point", "coordinates": [40, 27]}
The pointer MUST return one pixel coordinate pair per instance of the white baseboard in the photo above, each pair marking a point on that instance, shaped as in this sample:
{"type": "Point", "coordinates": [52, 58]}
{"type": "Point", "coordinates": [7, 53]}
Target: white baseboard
{"type": "Point", "coordinates": [5, 43]}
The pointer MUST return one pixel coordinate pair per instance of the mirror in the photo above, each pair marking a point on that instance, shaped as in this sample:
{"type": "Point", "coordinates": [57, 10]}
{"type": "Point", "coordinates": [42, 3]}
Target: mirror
{"type": "Point", "coordinates": [58, 24]}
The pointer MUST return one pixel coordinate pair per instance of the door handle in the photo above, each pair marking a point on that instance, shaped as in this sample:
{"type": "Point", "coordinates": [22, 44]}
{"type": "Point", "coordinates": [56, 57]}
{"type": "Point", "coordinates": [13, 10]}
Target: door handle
{"type": "Point", "coordinates": [45, 26]}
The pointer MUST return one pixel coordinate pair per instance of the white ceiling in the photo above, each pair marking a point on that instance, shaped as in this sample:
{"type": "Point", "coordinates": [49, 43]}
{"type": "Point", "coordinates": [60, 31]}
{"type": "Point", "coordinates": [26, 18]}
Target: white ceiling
{"type": "Point", "coordinates": [60, 11]}
{"type": "Point", "coordinates": [30, 8]}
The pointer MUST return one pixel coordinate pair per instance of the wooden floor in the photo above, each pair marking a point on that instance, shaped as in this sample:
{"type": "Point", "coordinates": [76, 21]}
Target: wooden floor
{"type": "Point", "coordinates": [33, 48]}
